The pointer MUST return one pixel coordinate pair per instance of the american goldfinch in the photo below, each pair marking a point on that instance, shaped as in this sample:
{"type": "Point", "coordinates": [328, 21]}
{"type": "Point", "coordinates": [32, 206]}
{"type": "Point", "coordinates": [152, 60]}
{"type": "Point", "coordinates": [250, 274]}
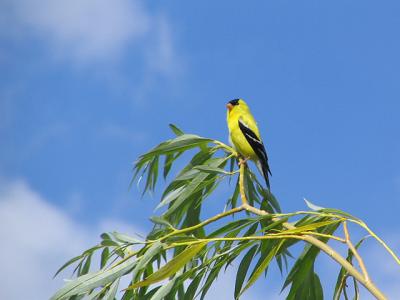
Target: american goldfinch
{"type": "Point", "coordinates": [245, 136]}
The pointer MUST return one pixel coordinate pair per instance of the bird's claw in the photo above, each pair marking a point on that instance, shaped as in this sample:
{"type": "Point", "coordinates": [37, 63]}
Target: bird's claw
{"type": "Point", "coordinates": [243, 161]}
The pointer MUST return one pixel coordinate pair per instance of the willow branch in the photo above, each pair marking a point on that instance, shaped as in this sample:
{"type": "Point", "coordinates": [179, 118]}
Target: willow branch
{"type": "Point", "coordinates": [373, 234]}
{"type": "Point", "coordinates": [243, 238]}
{"type": "Point", "coordinates": [356, 221]}
{"type": "Point", "coordinates": [242, 165]}
{"type": "Point", "coordinates": [204, 223]}
{"type": "Point", "coordinates": [368, 284]}
{"type": "Point", "coordinates": [355, 252]}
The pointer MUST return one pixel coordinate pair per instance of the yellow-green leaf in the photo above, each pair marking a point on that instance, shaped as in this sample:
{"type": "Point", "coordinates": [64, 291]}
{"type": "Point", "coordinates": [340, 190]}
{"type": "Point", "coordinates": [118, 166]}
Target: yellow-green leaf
{"type": "Point", "coordinates": [310, 227]}
{"type": "Point", "coordinates": [171, 267]}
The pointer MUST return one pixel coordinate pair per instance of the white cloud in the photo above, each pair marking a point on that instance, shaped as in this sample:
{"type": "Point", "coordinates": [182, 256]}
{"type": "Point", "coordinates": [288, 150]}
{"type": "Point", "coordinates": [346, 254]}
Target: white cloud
{"type": "Point", "coordinates": [162, 56]}
{"type": "Point", "coordinates": [36, 239]}
{"type": "Point", "coordinates": [86, 31]}
{"type": "Point", "coordinates": [34, 234]}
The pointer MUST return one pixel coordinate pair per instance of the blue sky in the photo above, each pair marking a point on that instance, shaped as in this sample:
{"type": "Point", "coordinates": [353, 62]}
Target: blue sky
{"type": "Point", "coordinates": [87, 86]}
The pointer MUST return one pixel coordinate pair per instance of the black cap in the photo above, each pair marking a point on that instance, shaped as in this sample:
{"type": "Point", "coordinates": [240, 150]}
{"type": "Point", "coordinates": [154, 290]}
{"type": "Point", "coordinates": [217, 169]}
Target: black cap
{"type": "Point", "coordinates": [234, 101]}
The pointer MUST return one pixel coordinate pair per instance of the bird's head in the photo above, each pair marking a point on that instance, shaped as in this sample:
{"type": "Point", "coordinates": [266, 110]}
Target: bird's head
{"type": "Point", "coordinates": [236, 103]}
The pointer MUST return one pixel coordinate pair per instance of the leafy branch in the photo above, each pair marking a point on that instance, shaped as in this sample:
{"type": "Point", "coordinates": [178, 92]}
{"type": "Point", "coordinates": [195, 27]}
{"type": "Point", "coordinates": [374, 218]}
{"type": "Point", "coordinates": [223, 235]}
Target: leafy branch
{"type": "Point", "coordinates": [190, 254]}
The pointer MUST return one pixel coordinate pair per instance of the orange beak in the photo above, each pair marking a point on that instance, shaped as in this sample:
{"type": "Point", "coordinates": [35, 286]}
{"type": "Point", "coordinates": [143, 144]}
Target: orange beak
{"type": "Point", "coordinates": [229, 106]}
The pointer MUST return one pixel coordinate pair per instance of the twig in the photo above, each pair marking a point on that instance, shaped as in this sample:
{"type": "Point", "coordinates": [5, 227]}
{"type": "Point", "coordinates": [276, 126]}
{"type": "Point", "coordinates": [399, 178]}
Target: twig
{"type": "Point", "coordinates": [355, 252]}
{"type": "Point", "coordinates": [242, 165]}
{"type": "Point", "coordinates": [368, 284]}
{"type": "Point", "coordinates": [202, 224]}
{"type": "Point", "coordinates": [373, 234]}
{"type": "Point", "coordinates": [243, 238]}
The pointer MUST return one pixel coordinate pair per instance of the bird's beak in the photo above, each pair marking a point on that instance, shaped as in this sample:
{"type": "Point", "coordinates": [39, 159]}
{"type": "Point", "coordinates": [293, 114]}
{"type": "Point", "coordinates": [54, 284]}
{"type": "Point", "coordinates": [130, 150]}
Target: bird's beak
{"type": "Point", "coordinates": [229, 106]}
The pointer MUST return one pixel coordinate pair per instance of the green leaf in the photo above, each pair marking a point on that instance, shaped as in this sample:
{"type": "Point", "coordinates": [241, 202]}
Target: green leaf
{"type": "Point", "coordinates": [71, 261]}
{"type": "Point", "coordinates": [152, 175]}
{"type": "Point", "coordinates": [148, 162]}
{"type": "Point", "coordinates": [193, 218]}
{"type": "Point", "coordinates": [180, 143]}
{"type": "Point", "coordinates": [310, 288]}
{"type": "Point", "coordinates": [192, 186]}
{"type": "Point", "coordinates": [176, 130]}
{"type": "Point", "coordinates": [86, 266]}
{"type": "Point", "coordinates": [304, 265]}
{"type": "Point", "coordinates": [164, 290]}
{"type": "Point", "coordinates": [105, 236]}
{"type": "Point", "coordinates": [90, 281]}
{"type": "Point", "coordinates": [234, 252]}
{"type": "Point", "coordinates": [171, 267]}
{"type": "Point", "coordinates": [213, 274]}
{"type": "Point", "coordinates": [339, 212]}
{"type": "Point", "coordinates": [242, 270]}
{"type": "Point", "coordinates": [145, 259]}
{"type": "Point", "coordinates": [104, 257]}
{"type": "Point", "coordinates": [240, 223]}
{"type": "Point", "coordinates": [187, 175]}
{"type": "Point", "coordinates": [231, 166]}
{"type": "Point", "coordinates": [169, 159]}
{"type": "Point", "coordinates": [341, 280]}
{"type": "Point", "coordinates": [109, 243]}
{"type": "Point", "coordinates": [317, 288]}
{"type": "Point", "coordinates": [192, 288]}
{"type": "Point", "coordinates": [171, 196]}
{"type": "Point", "coordinates": [161, 221]}
{"type": "Point", "coordinates": [259, 270]}
{"type": "Point", "coordinates": [274, 225]}
{"type": "Point", "coordinates": [211, 170]}
{"type": "Point", "coordinates": [112, 291]}
{"type": "Point", "coordinates": [250, 190]}
{"type": "Point", "coordinates": [126, 238]}
{"type": "Point", "coordinates": [272, 200]}
{"type": "Point", "coordinates": [310, 227]}
{"type": "Point", "coordinates": [235, 195]}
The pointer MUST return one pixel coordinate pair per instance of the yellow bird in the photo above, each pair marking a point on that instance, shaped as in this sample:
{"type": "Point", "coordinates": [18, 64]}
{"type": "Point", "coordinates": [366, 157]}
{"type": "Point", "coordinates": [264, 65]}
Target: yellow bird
{"type": "Point", "coordinates": [245, 136]}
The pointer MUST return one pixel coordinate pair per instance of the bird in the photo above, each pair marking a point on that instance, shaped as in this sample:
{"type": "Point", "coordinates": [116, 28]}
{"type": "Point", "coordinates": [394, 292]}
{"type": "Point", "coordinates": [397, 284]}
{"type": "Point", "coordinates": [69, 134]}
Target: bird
{"type": "Point", "coordinates": [245, 136]}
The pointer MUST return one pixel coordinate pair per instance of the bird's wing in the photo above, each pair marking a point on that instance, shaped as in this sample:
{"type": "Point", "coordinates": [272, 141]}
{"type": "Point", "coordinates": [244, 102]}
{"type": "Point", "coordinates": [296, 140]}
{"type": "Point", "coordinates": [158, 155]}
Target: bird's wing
{"type": "Point", "coordinates": [258, 147]}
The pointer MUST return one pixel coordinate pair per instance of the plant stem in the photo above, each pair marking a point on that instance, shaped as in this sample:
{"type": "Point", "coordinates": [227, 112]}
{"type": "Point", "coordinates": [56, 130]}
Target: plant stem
{"type": "Point", "coordinates": [208, 221]}
{"type": "Point", "coordinates": [225, 147]}
{"type": "Point", "coordinates": [368, 284]}
{"type": "Point", "coordinates": [243, 238]}
{"type": "Point", "coordinates": [241, 182]}
{"type": "Point", "coordinates": [363, 225]}
{"type": "Point", "coordinates": [355, 252]}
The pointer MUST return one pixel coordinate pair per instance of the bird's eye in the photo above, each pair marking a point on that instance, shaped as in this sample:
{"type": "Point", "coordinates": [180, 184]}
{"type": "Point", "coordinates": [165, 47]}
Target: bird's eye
{"type": "Point", "coordinates": [234, 101]}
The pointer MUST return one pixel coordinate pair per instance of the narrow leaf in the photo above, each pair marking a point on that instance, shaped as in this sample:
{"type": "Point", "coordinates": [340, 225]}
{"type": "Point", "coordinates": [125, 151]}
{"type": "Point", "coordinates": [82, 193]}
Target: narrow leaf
{"type": "Point", "coordinates": [242, 270]}
{"type": "Point", "coordinates": [211, 170]}
{"type": "Point", "coordinates": [256, 274]}
{"type": "Point", "coordinates": [310, 227]}
{"type": "Point", "coordinates": [110, 295]}
{"type": "Point", "coordinates": [313, 206]}
{"type": "Point", "coordinates": [90, 281]}
{"type": "Point", "coordinates": [171, 267]}
{"type": "Point", "coordinates": [176, 130]}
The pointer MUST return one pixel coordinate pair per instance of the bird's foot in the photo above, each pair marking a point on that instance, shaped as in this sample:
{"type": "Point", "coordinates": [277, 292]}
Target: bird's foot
{"type": "Point", "coordinates": [243, 161]}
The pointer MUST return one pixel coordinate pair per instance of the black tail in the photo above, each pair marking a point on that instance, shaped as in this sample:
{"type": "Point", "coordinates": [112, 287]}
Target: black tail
{"type": "Point", "coordinates": [259, 149]}
{"type": "Point", "coordinates": [266, 172]}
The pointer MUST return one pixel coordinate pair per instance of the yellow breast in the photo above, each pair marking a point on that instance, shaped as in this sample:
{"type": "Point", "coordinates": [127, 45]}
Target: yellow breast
{"type": "Point", "coordinates": [236, 136]}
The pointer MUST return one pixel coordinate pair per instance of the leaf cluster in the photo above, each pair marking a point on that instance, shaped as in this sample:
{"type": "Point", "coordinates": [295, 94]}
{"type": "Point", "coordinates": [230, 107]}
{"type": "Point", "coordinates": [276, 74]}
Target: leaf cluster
{"type": "Point", "coordinates": [182, 256]}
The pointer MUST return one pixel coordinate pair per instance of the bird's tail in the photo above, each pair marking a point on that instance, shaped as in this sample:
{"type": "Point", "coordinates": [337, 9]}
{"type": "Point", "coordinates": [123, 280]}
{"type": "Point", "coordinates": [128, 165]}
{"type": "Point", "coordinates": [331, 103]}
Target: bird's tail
{"type": "Point", "coordinates": [265, 171]}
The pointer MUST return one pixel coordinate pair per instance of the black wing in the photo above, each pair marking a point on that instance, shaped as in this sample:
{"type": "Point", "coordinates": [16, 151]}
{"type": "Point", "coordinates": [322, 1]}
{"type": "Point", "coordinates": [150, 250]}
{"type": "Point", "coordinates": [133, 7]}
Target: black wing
{"type": "Point", "coordinates": [258, 148]}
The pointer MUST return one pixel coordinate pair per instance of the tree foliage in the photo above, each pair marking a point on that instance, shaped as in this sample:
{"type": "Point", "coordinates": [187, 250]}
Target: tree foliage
{"type": "Point", "coordinates": [182, 256]}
